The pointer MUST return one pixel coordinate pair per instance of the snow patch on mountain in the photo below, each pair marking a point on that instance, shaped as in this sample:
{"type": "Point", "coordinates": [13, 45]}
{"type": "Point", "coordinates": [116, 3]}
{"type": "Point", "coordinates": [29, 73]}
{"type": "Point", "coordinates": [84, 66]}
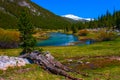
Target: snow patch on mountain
{"type": "Point", "coordinates": [74, 17]}
{"type": "Point", "coordinates": [71, 16]}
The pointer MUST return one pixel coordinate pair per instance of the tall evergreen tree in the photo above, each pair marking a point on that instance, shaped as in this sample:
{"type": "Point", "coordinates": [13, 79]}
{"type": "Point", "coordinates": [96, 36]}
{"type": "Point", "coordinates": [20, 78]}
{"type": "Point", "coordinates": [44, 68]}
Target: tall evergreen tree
{"type": "Point", "coordinates": [74, 28]}
{"type": "Point", "coordinates": [118, 23]}
{"type": "Point", "coordinates": [26, 29]}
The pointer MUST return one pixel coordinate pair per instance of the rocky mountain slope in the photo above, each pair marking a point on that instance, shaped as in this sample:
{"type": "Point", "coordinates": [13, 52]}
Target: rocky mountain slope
{"type": "Point", "coordinates": [42, 18]}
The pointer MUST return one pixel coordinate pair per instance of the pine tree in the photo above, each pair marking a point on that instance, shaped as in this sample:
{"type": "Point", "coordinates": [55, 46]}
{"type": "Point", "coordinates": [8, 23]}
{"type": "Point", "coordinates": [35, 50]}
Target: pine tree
{"type": "Point", "coordinates": [118, 23]}
{"type": "Point", "coordinates": [26, 29]}
{"type": "Point", "coordinates": [74, 28]}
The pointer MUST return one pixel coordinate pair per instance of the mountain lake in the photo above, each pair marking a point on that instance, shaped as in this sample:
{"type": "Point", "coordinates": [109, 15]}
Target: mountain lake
{"type": "Point", "coordinates": [62, 39]}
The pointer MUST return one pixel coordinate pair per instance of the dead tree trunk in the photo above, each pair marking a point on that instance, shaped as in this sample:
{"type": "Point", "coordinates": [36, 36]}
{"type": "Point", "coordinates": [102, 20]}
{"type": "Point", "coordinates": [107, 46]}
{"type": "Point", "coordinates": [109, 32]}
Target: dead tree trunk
{"type": "Point", "coordinates": [48, 63]}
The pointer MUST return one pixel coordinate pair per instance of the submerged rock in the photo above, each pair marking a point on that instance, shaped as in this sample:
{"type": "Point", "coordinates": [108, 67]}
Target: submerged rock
{"type": "Point", "coordinates": [6, 61]}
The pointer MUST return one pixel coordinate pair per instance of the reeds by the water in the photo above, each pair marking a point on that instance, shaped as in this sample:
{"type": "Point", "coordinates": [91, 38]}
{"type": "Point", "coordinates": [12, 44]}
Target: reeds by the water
{"type": "Point", "coordinates": [9, 38]}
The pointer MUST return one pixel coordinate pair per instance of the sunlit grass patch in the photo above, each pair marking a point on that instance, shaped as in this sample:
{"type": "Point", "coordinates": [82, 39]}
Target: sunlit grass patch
{"type": "Point", "coordinates": [10, 52]}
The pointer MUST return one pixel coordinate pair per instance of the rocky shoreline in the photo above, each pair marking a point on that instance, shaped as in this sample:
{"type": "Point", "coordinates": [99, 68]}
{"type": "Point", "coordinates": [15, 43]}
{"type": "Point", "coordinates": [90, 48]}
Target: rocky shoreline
{"type": "Point", "coordinates": [6, 62]}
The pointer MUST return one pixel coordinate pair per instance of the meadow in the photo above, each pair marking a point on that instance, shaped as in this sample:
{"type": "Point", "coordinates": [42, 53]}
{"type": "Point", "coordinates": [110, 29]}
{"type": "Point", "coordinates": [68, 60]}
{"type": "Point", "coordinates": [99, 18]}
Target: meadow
{"type": "Point", "coordinates": [97, 54]}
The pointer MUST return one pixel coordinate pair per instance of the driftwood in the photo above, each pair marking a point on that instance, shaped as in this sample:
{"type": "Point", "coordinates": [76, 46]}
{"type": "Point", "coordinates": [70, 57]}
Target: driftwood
{"type": "Point", "coordinates": [47, 61]}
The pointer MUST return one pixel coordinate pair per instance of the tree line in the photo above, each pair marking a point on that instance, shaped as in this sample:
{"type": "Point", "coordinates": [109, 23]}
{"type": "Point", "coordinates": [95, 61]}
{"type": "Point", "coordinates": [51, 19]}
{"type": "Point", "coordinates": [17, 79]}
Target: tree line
{"type": "Point", "coordinates": [108, 20]}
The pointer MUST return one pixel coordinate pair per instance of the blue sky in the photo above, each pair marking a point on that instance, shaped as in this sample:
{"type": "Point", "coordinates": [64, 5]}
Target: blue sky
{"type": "Point", "coordinates": [81, 8]}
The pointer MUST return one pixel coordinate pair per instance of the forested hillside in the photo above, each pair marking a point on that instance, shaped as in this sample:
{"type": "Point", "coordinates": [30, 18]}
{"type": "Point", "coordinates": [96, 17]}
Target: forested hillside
{"type": "Point", "coordinates": [40, 17]}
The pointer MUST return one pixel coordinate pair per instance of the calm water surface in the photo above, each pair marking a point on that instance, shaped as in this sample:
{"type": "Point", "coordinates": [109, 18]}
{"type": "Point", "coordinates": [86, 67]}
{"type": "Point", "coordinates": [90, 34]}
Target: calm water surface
{"type": "Point", "coordinates": [59, 39]}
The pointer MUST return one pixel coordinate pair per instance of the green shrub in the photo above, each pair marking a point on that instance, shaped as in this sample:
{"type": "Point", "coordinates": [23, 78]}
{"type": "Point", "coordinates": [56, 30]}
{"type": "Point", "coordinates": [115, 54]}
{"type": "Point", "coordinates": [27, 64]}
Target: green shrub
{"type": "Point", "coordinates": [83, 32]}
{"type": "Point", "coordinates": [8, 39]}
{"type": "Point", "coordinates": [104, 35]}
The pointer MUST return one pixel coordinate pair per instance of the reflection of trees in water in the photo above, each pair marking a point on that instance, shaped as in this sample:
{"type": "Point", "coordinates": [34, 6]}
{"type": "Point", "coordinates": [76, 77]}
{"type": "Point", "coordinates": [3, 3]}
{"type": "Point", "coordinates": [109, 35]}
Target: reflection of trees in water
{"type": "Point", "coordinates": [58, 39]}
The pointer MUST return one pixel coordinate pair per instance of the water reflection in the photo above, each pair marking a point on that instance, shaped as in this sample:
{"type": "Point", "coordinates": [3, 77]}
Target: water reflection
{"type": "Point", "coordinates": [61, 39]}
{"type": "Point", "coordinates": [58, 39]}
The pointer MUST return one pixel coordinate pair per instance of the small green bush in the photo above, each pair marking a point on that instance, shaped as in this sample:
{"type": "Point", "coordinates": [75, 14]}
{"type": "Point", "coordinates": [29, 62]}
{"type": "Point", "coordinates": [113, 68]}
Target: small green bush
{"type": "Point", "coordinates": [104, 35]}
{"type": "Point", "coordinates": [9, 39]}
{"type": "Point", "coordinates": [83, 32]}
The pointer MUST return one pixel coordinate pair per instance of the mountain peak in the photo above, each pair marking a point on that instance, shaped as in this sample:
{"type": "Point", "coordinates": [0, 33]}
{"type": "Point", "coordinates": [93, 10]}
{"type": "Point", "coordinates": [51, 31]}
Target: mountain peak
{"type": "Point", "coordinates": [77, 18]}
{"type": "Point", "coordinates": [71, 16]}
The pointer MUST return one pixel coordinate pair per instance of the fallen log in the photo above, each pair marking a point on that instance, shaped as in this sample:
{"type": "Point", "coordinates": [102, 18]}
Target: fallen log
{"type": "Point", "coordinates": [47, 61]}
{"type": "Point", "coordinates": [56, 63]}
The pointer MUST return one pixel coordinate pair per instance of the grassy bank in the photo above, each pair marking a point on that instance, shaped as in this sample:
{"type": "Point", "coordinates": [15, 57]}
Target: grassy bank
{"type": "Point", "coordinates": [98, 49]}
{"type": "Point", "coordinates": [33, 72]}
{"type": "Point", "coordinates": [102, 34]}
